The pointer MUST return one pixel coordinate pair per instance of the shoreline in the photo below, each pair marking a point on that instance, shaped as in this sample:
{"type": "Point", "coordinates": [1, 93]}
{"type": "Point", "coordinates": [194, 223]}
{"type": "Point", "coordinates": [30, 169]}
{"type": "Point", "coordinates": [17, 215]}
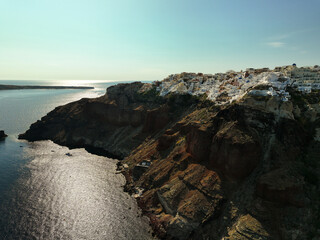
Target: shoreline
{"type": "Point", "coordinates": [21, 87]}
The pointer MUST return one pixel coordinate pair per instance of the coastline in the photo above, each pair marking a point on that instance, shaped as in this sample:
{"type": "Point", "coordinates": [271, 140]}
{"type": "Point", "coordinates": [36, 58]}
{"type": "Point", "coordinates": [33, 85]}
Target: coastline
{"type": "Point", "coordinates": [211, 167]}
{"type": "Point", "coordinates": [13, 147]}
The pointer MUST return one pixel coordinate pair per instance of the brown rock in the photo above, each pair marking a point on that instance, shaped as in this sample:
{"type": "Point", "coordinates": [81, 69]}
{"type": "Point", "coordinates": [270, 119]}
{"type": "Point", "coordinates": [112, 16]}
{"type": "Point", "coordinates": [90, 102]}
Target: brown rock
{"type": "Point", "coordinates": [234, 151]}
{"type": "Point", "coordinates": [156, 119]}
{"type": "Point", "coordinates": [165, 141]}
{"type": "Point", "coordinates": [281, 187]}
{"type": "Point", "coordinates": [248, 227]}
{"type": "Point", "coordinates": [198, 143]}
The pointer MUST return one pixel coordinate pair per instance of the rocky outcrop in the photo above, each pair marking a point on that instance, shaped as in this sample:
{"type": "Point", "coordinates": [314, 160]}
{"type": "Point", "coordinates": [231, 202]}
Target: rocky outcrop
{"type": "Point", "coordinates": [2, 135]}
{"type": "Point", "coordinates": [216, 172]}
{"type": "Point", "coordinates": [112, 125]}
{"type": "Point", "coordinates": [247, 227]}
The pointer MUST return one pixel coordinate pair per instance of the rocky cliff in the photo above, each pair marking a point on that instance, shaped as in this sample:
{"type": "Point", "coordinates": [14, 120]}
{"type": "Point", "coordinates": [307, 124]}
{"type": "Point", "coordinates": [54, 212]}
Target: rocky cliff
{"type": "Point", "coordinates": [244, 170]}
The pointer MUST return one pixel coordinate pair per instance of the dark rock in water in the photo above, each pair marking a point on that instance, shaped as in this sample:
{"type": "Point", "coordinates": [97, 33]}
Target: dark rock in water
{"type": "Point", "coordinates": [2, 135]}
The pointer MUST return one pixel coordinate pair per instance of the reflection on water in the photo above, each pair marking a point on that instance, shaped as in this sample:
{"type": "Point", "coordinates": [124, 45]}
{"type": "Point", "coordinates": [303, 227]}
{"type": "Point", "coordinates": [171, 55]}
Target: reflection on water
{"type": "Point", "coordinates": [69, 196]}
{"type": "Point", "coordinates": [45, 194]}
{"type": "Point", "coordinates": [11, 159]}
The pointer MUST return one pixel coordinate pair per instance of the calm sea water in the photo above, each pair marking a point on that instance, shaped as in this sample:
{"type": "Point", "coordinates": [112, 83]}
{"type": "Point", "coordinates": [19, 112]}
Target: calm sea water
{"type": "Point", "coordinates": [46, 194]}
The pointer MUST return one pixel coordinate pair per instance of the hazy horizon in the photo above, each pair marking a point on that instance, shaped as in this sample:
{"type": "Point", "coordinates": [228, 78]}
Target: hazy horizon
{"type": "Point", "coordinates": [148, 40]}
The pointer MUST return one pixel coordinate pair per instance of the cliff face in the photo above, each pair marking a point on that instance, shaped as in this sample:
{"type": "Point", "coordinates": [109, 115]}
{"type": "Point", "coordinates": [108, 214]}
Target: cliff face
{"type": "Point", "coordinates": [112, 125]}
{"type": "Point", "coordinates": [238, 171]}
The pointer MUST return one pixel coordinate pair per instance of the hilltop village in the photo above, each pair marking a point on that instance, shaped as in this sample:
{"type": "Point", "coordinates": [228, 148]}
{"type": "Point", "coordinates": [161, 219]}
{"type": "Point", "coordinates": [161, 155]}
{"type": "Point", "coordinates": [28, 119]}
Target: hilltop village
{"type": "Point", "coordinates": [226, 87]}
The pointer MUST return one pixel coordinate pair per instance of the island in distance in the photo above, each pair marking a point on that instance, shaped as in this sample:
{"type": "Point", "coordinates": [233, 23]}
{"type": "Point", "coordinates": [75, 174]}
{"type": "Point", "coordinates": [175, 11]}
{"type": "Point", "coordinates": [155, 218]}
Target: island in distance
{"type": "Point", "coordinates": [17, 87]}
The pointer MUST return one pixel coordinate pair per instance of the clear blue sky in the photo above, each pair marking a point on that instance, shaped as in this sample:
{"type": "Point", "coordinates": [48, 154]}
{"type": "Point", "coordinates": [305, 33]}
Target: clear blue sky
{"type": "Point", "coordinates": [150, 39]}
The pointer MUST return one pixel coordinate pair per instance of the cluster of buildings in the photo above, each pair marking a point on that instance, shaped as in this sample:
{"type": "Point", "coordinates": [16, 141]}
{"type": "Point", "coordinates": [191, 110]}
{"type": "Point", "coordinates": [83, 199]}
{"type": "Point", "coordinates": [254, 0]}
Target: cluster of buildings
{"type": "Point", "coordinates": [306, 78]}
{"type": "Point", "coordinates": [227, 87]}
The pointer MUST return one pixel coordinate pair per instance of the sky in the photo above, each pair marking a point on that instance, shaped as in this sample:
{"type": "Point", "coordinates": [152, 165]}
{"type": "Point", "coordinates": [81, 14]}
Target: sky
{"type": "Point", "coordinates": [150, 39]}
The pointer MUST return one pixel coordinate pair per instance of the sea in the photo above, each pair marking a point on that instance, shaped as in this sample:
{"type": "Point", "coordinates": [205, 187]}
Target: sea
{"type": "Point", "coordinates": [48, 191]}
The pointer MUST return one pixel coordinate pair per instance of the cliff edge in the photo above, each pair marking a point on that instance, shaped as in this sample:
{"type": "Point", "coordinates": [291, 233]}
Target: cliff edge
{"type": "Point", "coordinates": [239, 163]}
